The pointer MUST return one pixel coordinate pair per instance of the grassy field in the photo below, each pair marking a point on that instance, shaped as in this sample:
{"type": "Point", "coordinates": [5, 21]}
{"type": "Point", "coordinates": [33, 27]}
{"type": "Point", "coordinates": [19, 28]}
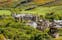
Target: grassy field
{"type": "Point", "coordinates": [39, 10]}
{"type": "Point", "coordinates": [44, 10]}
{"type": "Point", "coordinates": [5, 12]}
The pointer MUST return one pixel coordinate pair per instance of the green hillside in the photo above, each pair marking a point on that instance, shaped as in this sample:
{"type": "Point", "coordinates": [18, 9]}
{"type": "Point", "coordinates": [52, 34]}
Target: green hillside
{"type": "Point", "coordinates": [14, 28]}
{"type": "Point", "coordinates": [38, 10]}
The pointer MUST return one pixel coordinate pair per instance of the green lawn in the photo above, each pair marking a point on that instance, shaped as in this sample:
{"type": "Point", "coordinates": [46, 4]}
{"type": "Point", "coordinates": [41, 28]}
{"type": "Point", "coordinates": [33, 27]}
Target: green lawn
{"type": "Point", "coordinates": [5, 12]}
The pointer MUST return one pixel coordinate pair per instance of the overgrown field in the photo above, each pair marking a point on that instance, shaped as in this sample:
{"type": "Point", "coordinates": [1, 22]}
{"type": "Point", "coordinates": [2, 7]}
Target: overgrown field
{"type": "Point", "coordinates": [10, 29]}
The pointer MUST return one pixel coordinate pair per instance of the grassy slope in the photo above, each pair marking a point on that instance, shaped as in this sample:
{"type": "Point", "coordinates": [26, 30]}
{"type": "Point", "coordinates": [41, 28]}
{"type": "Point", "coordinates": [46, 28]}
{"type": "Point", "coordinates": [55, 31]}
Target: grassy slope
{"type": "Point", "coordinates": [5, 12]}
{"type": "Point", "coordinates": [38, 10]}
{"type": "Point", "coordinates": [44, 10]}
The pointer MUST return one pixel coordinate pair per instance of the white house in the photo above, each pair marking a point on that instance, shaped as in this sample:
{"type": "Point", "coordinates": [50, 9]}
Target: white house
{"type": "Point", "coordinates": [58, 23]}
{"type": "Point", "coordinates": [33, 24]}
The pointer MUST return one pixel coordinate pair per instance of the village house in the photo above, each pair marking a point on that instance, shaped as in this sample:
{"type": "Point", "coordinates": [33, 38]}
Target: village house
{"type": "Point", "coordinates": [24, 17]}
{"type": "Point", "coordinates": [32, 23]}
{"type": "Point", "coordinates": [58, 23]}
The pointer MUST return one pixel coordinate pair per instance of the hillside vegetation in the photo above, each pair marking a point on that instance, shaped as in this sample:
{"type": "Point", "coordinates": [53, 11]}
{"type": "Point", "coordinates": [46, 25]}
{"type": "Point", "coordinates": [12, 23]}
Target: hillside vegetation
{"type": "Point", "coordinates": [10, 29]}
